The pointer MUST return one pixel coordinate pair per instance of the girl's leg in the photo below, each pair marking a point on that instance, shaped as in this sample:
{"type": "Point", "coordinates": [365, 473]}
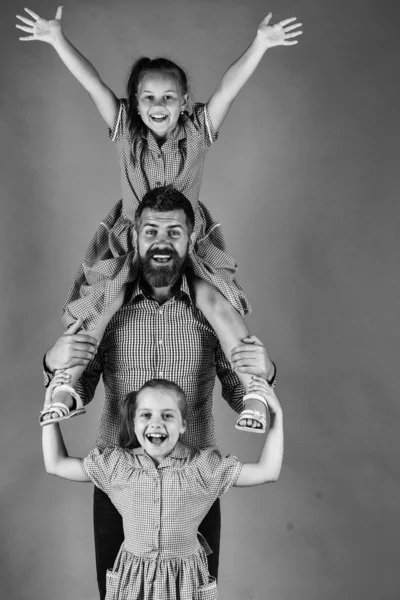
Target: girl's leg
{"type": "Point", "coordinates": [75, 373]}
{"type": "Point", "coordinates": [230, 328]}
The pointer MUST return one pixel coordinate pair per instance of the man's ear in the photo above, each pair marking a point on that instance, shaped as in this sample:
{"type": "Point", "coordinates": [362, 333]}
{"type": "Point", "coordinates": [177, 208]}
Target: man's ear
{"type": "Point", "coordinates": [183, 427]}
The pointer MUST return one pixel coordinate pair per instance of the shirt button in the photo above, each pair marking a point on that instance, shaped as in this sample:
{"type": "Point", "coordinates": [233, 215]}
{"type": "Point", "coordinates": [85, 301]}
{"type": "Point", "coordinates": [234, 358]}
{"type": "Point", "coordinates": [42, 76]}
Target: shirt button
{"type": "Point", "coordinates": [161, 374]}
{"type": "Point", "coordinates": [160, 312]}
{"type": "Point", "coordinates": [158, 184]}
{"type": "Point", "coordinates": [158, 155]}
{"type": "Point", "coordinates": [156, 500]}
{"type": "Point", "coordinates": [160, 342]}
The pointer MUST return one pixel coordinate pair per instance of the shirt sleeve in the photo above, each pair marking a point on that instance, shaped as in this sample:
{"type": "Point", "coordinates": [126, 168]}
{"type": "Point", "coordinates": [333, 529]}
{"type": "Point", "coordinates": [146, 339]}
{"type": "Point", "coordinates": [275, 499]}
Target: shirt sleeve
{"type": "Point", "coordinates": [202, 123]}
{"type": "Point", "coordinates": [102, 467]}
{"type": "Point", "coordinates": [218, 472]}
{"type": "Point", "coordinates": [232, 389]}
{"type": "Point", "coordinates": [87, 384]}
{"type": "Point", "coordinates": [120, 127]}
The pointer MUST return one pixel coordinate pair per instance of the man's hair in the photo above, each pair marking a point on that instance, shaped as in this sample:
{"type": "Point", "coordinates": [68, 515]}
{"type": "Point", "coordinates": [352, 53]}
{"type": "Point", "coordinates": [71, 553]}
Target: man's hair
{"type": "Point", "coordinates": [128, 408]}
{"type": "Point", "coordinates": [165, 199]}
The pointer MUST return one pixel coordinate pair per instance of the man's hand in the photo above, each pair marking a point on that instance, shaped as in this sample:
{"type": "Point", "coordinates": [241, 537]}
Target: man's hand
{"type": "Point", "coordinates": [71, 349]}
{"type": "Point", "coordinates": [251, 357]}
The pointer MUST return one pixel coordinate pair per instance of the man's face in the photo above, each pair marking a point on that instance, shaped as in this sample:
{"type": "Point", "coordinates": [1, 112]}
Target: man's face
{"type": "Point", "coordinates": [163, 245]}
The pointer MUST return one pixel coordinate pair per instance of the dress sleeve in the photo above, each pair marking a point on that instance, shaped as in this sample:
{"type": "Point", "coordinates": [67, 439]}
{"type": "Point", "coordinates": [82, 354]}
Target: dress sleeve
{"type": "Point", "coordinates": [218, 472]}
{"type": "Point", "coordinates": [119, 128]}
{"type": "Point", "coordinates": [202, 123]}
{"type": "Point", "coordinates": [102, 467]}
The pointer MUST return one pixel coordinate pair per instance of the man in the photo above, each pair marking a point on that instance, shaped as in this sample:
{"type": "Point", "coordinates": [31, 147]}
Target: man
{"type": "Point", "coordinates": [158, 332]}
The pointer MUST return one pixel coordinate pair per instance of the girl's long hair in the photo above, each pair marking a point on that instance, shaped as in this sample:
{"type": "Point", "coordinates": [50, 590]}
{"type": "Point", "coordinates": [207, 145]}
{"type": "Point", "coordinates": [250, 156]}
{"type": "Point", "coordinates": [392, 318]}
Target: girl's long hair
{"type": "Point", "coordinates": [140, 67]}
{"type": "Point", "coordinates": [128, 407]}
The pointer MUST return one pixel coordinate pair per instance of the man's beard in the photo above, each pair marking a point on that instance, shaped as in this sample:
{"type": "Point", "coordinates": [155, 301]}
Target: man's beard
{"type": "Point", "coordinates": [163, 275]}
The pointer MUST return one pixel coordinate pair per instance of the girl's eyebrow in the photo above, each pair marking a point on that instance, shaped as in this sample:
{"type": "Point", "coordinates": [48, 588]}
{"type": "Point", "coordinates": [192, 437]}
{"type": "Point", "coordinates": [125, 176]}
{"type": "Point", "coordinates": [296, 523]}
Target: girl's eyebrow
{"type": "Point", "coordinates": [151, 92]}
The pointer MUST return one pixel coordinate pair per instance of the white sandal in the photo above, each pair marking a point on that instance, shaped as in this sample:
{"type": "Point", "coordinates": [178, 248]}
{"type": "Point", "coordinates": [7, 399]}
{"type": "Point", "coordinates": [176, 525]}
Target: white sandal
{"type": "Point", "coordinates": [62, 409]}
{"type": "Point", "coordinates": [256, 408]}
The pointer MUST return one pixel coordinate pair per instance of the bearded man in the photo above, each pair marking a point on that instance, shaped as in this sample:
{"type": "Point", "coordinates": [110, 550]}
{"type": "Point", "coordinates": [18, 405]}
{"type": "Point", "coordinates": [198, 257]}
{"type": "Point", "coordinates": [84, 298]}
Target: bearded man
{"type": "Point", "coordinates": [158, 332]}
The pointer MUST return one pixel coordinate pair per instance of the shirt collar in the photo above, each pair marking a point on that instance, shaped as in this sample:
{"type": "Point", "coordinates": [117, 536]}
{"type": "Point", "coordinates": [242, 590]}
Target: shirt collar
{"type": "Point", "coordinates": [182, 290]}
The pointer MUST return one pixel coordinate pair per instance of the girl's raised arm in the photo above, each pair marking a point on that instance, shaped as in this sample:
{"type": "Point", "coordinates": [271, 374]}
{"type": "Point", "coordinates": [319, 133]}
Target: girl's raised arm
{"type": "Point", "coordinates": [52, 33]}
{"type": "Point", "coordinates": [280, 34]}
{"type": "Point", "coordinates": [269, 464]}
{"type": "Point", "coordinates": [55, 455]}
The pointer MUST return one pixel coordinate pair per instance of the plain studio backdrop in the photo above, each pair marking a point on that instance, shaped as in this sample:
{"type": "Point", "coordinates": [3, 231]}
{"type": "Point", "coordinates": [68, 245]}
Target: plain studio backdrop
{"type": "Point", "coordinates": [305, 180]}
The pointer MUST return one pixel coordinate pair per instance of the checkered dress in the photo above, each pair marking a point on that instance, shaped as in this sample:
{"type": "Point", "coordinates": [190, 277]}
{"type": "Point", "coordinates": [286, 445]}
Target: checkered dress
{"type": "Point", "coordinates": [111, 258]}
{"type": "Point", "coordinates": [162, 507]}
{"type": "Point", "coordinates": [173, 341]}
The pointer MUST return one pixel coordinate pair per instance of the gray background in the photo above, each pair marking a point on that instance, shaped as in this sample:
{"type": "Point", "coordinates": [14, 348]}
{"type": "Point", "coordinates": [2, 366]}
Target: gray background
{"type": "Point", "coordinates": [305, 179]}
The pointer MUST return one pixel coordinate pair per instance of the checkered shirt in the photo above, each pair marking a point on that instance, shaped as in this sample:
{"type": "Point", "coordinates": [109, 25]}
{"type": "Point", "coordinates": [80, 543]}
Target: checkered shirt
{"type": "Point", "coordinates": [173, 341]}
{"type": "Point", "coordinates": [111, 258]}
{"type": "Point", "coordinates": [161, 557]}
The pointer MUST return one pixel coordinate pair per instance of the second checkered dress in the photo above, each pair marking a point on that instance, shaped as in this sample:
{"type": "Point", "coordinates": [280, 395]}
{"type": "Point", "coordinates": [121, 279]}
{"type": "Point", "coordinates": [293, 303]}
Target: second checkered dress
{"type": "Point", "coordinates": [162, 556]}
{"type": "Point", "coordinates": [111, 258]}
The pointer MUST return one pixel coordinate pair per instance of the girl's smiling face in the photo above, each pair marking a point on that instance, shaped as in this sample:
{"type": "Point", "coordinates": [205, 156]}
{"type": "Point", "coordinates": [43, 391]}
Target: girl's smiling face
{"type": "Point", "coordinates": [158, 422]}
{"type": "Point", "coordinates": [160, 103]}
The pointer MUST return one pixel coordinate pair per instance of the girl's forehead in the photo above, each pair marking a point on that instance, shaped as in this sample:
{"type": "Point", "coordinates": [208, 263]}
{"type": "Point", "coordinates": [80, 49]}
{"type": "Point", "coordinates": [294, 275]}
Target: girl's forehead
{"type": "Point", "coordinates": [158, 79]}
{"type": "Point", "coordinates": [157, 399]}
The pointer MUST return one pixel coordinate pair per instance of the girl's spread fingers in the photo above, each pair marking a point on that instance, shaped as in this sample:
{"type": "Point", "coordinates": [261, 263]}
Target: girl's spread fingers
{"type": "Point", "coordinates": [290, 43]}
{"type": "Point", "coordinates": [27, 39]}
{"type": "Point", "coordinates": [296, 26]}
{"type": "Point", "coordinates": [25, 20]}
{"type": "Point", "coordinates": [33, 14]}
{"type": "Point", "coordinates": [291, 35]}
{"type": "Point", "coordinates": [287, 21]}
{"type": "Point", "coordinates": [28, 29]}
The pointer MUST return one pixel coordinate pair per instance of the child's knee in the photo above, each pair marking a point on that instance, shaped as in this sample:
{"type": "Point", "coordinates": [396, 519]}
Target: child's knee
{"type": "Point", "coordinates": [207, 295]}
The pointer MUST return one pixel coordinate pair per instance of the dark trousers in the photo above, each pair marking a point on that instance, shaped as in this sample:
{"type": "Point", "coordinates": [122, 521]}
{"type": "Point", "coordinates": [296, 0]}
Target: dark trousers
{"type": "Point", "coordinates": [109, 535]}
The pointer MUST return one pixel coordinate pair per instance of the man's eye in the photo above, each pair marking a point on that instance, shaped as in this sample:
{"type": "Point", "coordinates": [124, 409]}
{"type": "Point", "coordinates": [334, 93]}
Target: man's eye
{"type": "Point", "coordinates": [151, 232]}
{"type": "Point", "coordinates": [169, 416]}
{"type": "Point", "coordinates": [145, 415]}
{"type": "Point", "coordinates": [175, 233]}
{"type": "Point", "coordinates": [149, 97]}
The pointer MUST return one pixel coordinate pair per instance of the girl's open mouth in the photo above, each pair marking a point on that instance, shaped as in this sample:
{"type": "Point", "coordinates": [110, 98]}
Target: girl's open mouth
{"type": "Point", "coordinates": [156, 438]}
{"type": "Point", "coordinates": [158, 118]}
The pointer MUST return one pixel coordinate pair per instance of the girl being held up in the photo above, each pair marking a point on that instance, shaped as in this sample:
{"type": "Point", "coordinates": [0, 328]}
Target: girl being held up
{"type": "Point", "coordinates": [159, 143]}
{"type": "Point", "coordinates": [162, 557]}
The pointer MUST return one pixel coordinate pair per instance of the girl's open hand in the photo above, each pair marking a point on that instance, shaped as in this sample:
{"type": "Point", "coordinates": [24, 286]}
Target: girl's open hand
{"type": "Point", "coordinates": [260, 386]}
{"type": "Point", "coordinates": [40, 29]}
{"type": "Point", "coordinates": [280, 34]}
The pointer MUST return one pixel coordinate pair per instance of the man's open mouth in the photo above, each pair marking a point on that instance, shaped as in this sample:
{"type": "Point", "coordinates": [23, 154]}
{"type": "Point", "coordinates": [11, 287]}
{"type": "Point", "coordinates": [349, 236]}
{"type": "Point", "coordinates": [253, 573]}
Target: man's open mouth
{"type": "Point", "coordinates": [156, 438]}
{"type": "Point", "coordinates": [161, 258]}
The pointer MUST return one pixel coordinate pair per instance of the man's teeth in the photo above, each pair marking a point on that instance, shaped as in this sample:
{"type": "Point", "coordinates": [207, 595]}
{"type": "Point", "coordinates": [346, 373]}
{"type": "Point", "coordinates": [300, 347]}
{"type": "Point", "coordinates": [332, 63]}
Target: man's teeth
{"type": "Point", "coordinates": [158, 117]}
{"type": "Point", "coordinates": [162, 257]}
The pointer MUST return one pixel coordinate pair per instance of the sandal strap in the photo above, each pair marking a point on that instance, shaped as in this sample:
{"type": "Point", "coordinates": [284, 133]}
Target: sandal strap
{"type": "Point", "coordinates": [253, 414]}
{"type": "Point", "coordinates": [253, 396]}
{"type": "Point", "coordinates": [67, 388]}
